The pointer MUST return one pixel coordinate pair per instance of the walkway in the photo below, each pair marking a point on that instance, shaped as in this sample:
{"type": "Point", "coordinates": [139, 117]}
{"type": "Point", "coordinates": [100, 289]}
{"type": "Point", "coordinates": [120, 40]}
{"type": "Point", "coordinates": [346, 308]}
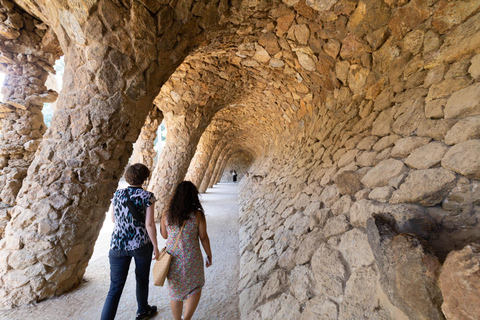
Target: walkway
{"type": "Point", "coordinates": [219, 298]}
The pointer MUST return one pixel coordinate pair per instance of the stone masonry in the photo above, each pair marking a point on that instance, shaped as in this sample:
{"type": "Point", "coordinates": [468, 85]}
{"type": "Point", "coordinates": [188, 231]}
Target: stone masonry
{"type": "Point", "coordinates": [355, 125]}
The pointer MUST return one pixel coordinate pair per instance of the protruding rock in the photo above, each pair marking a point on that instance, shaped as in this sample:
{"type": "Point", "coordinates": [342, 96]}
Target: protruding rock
{"type": "Point", "coordinates": [407, 268]}
{"type": "Point", "coordinates": [460, 283]}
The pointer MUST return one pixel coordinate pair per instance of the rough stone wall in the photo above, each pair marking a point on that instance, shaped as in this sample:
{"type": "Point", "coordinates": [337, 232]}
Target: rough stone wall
{"type": "Point", "coordinates": [398, 137]}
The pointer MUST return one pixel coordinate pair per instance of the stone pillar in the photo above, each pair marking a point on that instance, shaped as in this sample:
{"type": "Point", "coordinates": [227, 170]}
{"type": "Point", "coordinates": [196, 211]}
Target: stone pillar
{"type": "Point", "coordinates": [183, 134]}
{"type": "Point", "coordinates": [24, 91]}
{"type": "Point", "coordinates": [144, 151]}
{"type": "Point", "coordinates": [211, 166]}
{"type": "Point", "coordinates": [199, 164]}
{"type": "Point", "coordinates": [221, 163]}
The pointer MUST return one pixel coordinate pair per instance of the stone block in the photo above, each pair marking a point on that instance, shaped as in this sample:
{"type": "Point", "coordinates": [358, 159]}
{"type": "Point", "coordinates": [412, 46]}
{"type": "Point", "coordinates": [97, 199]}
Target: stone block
{"type": "Point", "coordinates": [435, 129]}
{"type": "Point", "coordinates": [355, 249]}
{"type": "Point", "coordinates": [427, 187]}
{"type": "Point", "coordinates": [362, 210]}
{"type": "Point", "coordinates": [450, 14]}
{"type": "Point", "coordinates": [463, 130]}
{"type": "Point", "coordinates": [474, 68]}
{"type": "Point", "coordinates": [348, 182]}
{"type": "Point", "coordinates": [464, 158]}
{"type": "Point", "coordinates": [383, 172]}
{"type": "Point", "coordinates": [381, 194]}
{"type": "Point", "coordinates": [320, 308]}
{"type": "Point", "coordinates": [283, 307]}
{"type": "Point", "coordinates": [275, 284]}
{"type": "Point", "coordinates": [460, 283]}
{"type": "Point", "coordinates": [463, 195]}
{"type": "Point", "coordinates": [329, 195]}
{"type": "Point", "coordinates": [249, 298]}
{"type": "Point", "coordinates": [301, 283]}
{"type": "Point", "coordinates": [360, 300]}
{"type": "Point", "coordinates": [336, 225]}
{"type": "Point", "coordinates": [328, 271]}
{"type": "Point", "coordinates": [308, 245]}
{"type": "Point", "coordinates": [385, 142]}
{"type": "Point", "coordinates": [427, 156]}
{"type": "Point", "coordinates": [342, 206]}
{"type": "Point", "coordinates": [404, 146]}
{"type": "Point", "coordinates": [434, 108]}
{"type": "Point", "coordinates": [464, 102]}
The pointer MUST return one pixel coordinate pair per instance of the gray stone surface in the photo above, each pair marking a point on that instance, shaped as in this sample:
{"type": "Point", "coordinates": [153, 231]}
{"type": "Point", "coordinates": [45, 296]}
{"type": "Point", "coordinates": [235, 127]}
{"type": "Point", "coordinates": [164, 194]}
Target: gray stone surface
{"type": "Point", "coordinates": [464, 158]}
{"type": "Point", "coordinates": [427, 187]}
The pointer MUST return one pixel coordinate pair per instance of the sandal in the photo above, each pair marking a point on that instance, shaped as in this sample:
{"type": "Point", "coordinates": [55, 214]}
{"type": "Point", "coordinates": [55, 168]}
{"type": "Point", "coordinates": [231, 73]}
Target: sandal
{"type": "Point", "coordinates": [151, 311]}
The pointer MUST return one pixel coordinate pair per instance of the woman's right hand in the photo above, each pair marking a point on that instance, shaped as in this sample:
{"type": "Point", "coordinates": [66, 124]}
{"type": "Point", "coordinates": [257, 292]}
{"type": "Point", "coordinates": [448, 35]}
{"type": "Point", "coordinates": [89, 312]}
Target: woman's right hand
{"type": "Point", "coordinates": [156, 253]}
{"type": "Point", "coordinates": [208, 261]}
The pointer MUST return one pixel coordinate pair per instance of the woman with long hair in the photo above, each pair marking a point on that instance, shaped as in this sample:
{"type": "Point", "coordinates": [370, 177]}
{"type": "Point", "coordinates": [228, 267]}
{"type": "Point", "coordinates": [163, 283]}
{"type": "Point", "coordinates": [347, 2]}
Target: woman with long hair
{"type": "Point", "coordinates": [185, 216]}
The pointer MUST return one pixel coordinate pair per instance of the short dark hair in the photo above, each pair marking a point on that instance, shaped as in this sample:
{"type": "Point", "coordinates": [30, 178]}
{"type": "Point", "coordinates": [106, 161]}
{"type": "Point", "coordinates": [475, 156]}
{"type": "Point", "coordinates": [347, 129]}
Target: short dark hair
{"type": "Point", "coordinates": [136, 174]}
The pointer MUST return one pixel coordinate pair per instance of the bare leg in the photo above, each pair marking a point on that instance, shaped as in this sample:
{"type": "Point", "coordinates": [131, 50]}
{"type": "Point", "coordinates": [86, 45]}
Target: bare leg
{"type": "Point", "coordinates": [177, 308]}
{"type": "Point", "coordinates": [191, 305]}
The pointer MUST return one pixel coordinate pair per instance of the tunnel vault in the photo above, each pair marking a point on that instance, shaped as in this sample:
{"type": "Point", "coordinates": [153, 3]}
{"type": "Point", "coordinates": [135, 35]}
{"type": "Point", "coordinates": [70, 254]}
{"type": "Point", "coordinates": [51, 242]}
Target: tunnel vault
{"type": "Point", "coordinates": [358, 122]}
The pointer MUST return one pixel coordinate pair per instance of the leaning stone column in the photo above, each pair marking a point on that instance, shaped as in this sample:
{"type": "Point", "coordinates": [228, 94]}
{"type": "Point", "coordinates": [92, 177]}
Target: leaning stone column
{"type": "Point", "coordinates": [200, 161]}
{"type": "Point", "coordinates": [211, 166]}
{"type": "Point", "coordinates": [222, 160]}
{"type": "Point", "coordinates": [144, 151]}
{"type": "Point", "coordinates": [183, 134]}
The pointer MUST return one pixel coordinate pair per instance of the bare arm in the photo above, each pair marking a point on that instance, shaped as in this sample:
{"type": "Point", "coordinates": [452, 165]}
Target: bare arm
{"type": "Point", "coordinates": [112, 213]}
{"type": "Point", "coordinates": [163, 226]}
{"type": "Point", "coordinates": [202, 233]}
{"type": "Point", "coordinates": [151, 229]}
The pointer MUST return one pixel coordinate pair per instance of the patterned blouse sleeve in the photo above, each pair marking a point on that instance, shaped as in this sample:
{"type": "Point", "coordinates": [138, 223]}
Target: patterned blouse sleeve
{"type": "Point", "coordinates": [151, 200]}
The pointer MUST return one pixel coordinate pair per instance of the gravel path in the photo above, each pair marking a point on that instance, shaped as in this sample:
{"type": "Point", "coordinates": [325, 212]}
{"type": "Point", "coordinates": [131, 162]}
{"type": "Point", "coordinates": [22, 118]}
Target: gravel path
{"type": "Point", "coordinates": [219, 297]}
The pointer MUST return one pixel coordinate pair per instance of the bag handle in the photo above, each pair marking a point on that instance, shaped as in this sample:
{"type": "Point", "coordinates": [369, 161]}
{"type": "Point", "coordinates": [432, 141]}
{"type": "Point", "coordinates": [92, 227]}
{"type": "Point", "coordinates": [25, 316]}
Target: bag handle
{"type": "Point", "coordinates": [178, 237]}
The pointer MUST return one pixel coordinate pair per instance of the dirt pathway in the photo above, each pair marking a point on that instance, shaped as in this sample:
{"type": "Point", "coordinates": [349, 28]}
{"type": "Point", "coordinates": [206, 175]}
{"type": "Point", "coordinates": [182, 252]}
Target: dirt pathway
{"type": "Point", "coordinates": [219, 298]}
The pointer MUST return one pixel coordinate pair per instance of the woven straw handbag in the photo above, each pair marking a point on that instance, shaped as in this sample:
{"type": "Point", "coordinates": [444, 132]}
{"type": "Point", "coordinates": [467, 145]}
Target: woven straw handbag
{"type": "Point", "coordinates": [162, 265]}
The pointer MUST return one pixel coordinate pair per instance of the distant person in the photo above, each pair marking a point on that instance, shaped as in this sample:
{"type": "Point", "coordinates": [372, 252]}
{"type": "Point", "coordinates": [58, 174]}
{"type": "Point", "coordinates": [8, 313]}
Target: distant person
{"type": "Point", "coordinates": [186, 275]}
{"type": "Point", "coordinates": [132, 238]}
{"type": "Point", "coordinates": [234, 176]}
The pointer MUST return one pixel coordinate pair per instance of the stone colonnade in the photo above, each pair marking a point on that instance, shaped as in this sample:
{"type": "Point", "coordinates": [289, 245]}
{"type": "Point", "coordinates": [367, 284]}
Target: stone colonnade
{"type": "Point", "coordinates": [361, 119]}
{"type": "Point", "coordinates": [111, 79]}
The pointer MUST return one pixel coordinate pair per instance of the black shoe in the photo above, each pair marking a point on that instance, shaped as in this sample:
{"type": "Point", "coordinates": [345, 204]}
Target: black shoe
{"type": "Point", "coordinates": [151, 311]}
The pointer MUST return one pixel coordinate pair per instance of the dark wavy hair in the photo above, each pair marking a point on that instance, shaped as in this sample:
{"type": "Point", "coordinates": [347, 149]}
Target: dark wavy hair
{"type": "Point", "coordinates": [184, 202]}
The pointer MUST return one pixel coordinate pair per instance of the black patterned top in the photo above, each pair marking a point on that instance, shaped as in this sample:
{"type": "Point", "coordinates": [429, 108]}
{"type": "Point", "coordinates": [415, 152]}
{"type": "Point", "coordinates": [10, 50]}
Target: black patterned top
{"type": "Point", "coordinates": [128, 233]}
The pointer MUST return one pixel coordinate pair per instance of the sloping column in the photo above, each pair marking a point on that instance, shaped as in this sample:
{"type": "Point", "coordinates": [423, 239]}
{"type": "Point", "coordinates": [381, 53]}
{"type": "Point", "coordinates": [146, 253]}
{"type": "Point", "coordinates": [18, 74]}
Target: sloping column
{"type": "Point", "coordinates": [222, 161]}
{"type": "Point", "coordinates": [144, 151]}
{"type": "Point", "coordinates": [200, 161]}
{"type": "Point", "coordinates": [27, 69]}
{"type": "Point", "coordinates": [183, 134]}
{"type": "Point", "coordinates": [211, 166]}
